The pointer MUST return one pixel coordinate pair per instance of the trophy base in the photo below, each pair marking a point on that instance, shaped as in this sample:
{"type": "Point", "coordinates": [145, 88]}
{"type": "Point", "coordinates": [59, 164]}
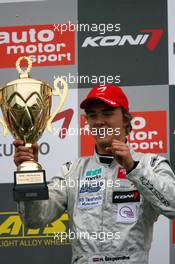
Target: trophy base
{"type": "Point", "coordinates": [30, 182]}
{"type": "Point", "coordinates": [28, 192]}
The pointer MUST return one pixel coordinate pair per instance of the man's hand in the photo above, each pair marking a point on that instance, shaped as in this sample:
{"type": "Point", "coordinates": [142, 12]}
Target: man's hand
{"type": "Point", "coordinates": [122, 154]}
{"type": "Point", "coordinates": [24, 154]}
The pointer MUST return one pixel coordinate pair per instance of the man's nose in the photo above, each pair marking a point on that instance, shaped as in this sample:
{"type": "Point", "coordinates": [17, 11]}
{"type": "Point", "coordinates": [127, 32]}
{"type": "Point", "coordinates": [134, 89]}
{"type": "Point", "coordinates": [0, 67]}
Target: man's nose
{"type": "Point", "coordinates": [99, 121]}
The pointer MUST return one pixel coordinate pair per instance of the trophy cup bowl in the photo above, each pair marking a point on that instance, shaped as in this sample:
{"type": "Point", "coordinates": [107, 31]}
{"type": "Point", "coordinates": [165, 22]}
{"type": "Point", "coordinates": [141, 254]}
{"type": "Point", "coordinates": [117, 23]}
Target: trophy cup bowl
{"type": "Point", "coordinates": [26, 105]}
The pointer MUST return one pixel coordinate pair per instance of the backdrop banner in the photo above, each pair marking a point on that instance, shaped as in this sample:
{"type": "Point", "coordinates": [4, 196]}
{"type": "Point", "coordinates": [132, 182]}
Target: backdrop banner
{"type": "Point", "coordinates": [130, 43]}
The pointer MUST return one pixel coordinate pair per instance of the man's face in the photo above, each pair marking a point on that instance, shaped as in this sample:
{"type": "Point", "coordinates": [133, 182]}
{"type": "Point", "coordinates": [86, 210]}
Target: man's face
{"type": "Point", "coordinates": [105, 122]}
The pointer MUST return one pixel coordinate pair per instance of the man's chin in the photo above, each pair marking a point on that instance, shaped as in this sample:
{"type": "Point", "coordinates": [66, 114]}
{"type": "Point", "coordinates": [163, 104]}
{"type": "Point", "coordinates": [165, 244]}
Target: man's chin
{"type": "Point", "coordinates": [103, 143]}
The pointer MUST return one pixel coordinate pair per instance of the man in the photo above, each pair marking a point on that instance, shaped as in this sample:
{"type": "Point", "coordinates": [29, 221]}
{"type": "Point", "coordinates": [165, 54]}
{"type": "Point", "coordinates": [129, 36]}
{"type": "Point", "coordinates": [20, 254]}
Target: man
{"type": "Point", "coordinates": [130, 191]}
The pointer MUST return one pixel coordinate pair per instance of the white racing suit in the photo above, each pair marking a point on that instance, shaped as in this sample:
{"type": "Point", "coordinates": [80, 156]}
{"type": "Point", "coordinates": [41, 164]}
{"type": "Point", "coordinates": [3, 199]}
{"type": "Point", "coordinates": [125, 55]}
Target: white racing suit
{"type": "Point", "coordinates": [115, 210]}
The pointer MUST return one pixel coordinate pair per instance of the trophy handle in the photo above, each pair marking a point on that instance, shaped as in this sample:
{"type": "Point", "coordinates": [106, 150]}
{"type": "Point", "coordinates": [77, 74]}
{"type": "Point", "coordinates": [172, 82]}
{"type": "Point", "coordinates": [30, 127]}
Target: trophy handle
{"type": "Point", "coordinates": [62, 96]}
{"type": "Point", "coordinates": [5, 129]}
{"type": "Point", "coordinates": [23, 73]}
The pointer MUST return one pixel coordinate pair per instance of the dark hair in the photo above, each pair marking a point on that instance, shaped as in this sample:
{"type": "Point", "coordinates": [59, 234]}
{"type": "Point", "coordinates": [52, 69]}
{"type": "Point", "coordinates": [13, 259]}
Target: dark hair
{"type": "Point", "coordinates": [127, 117]}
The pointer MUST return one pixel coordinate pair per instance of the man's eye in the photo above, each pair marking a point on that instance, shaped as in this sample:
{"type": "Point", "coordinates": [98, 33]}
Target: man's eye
{"type": "Point", "coordinates": [108, 113]}
{"type": "Point", "coordinates": [91, 115]}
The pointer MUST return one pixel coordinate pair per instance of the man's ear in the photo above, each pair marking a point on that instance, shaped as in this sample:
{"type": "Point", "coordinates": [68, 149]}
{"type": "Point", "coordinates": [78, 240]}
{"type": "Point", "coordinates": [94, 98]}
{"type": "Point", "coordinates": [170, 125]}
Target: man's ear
{"type": "Point", "coordinates": [86, 122]}
{"type": "Point", "coordinates": [84, 116]}
{"type": "Point", "coordinates": [127, 127]}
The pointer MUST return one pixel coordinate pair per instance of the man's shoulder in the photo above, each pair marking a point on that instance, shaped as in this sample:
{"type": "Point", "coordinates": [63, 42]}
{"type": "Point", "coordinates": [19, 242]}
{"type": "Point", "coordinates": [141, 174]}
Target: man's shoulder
{"type": "Point", "coordinates": [150, 159]}
{"type": "Point", "coordinates": [154, 159]}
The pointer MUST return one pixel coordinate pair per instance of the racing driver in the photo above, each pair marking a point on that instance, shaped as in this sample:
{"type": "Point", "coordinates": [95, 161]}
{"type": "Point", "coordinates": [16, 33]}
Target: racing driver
{"type": "Point", "coordinates": [131, 189]}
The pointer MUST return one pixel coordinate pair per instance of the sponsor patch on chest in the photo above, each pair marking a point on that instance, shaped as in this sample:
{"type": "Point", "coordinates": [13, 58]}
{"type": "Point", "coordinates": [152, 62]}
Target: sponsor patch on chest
{"type": "Point", "coordinates": [93, 174]}
{"type": "Point", "coordinates": [92, 181]}
{"type": "Point", "coordinates": [92, 187]}
{"type": "Point", "coordinates": [91, 201]}
{"type": "Point", "coordinates": [126, 213]}
{"type": "Point", "coordinates": [121, 174]}
{"type": "Point", "coordinates": [126, 196]}
{"type": "Point", "coordinates": [120, 259]}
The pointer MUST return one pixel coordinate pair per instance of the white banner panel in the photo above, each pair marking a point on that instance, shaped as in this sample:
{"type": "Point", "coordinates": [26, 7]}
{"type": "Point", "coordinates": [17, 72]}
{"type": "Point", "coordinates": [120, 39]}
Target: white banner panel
{"type": "Point", "coordinates": [17, 1]}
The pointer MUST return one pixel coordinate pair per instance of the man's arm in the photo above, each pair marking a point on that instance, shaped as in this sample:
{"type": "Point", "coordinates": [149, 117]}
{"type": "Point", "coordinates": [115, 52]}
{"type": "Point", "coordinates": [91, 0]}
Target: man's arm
{"type": "Point", "coordinates": [41, 212]}
{"type": "Point", "coordinates": [156, 182]}
{"type": "Point", "coordinates": [38, 213]}
{"type": "Point", "coordinates": [152, 176]}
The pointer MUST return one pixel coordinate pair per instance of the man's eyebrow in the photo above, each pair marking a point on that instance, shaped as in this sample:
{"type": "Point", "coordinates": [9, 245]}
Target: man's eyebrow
{"type": "Point", "coordinates": [107, 110]}
{"type": "Point", "coordinates": [87, 111]}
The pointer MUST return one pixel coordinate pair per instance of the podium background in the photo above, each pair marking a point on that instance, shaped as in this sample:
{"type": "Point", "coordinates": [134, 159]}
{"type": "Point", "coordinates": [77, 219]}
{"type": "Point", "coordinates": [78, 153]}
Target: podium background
{"type": "Point", "coordinates": [143, 67]}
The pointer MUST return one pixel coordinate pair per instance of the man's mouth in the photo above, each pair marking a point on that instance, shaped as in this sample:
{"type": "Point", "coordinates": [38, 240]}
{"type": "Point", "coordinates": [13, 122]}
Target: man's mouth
{"type": "Point", "coordinates": [100, 132]}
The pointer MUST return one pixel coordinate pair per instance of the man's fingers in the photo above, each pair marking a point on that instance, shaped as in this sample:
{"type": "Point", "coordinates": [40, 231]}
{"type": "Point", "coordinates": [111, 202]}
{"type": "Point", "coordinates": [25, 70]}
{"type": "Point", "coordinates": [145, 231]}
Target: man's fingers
{"type": "Point", "coordinates": [24, 153]}
{"type": "Point", "coordinates": [24, 149]}
{"type": "Point", "coordinates": [35, 148]}
{"type": "Point", "coordinates": [23, 156]}
{"type": "Point", "coordinates": [19, 160]}
{"type": "Point", "coordinates": [119, 153]}
{"type": "Point", "coordinates": [18, 142]}
{"type": "Point", "coordinates": [117, 147]}
{"type": "Point", "coordinates": [120, 147]}
{"type": "Point", "coordinates": [117, 141]}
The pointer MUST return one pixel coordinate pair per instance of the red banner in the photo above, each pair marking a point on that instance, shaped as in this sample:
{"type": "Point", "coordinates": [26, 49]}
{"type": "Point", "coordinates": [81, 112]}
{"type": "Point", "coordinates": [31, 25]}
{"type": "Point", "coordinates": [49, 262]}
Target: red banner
{"type": "Point", "coordinates": [42, 43]}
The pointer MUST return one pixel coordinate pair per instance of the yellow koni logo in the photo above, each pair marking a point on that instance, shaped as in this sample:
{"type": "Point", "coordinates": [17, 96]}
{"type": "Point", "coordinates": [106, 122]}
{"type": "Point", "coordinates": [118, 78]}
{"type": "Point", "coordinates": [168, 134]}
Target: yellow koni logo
{"type": "Point", "coordinates": [13, 232]}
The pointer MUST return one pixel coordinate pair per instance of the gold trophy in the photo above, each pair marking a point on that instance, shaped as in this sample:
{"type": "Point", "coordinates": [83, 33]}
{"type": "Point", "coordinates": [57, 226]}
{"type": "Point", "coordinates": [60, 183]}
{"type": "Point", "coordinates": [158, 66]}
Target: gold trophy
{"type": "Point", "coordinates": [26, 105]}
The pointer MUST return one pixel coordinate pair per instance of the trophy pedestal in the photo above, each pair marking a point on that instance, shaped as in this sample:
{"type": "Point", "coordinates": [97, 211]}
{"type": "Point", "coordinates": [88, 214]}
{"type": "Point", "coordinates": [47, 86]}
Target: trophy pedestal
{"type": "Point", "coordinates": [28, 192]}
{"type": "Point", "coordinates": [30, 182]}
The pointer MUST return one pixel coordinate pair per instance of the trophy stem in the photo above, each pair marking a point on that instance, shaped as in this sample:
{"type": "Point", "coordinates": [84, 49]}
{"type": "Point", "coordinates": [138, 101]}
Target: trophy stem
{"type": "Point", "coordinates": [29, 165]}
{"type": "Point", "coordinates": [28, 145]}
